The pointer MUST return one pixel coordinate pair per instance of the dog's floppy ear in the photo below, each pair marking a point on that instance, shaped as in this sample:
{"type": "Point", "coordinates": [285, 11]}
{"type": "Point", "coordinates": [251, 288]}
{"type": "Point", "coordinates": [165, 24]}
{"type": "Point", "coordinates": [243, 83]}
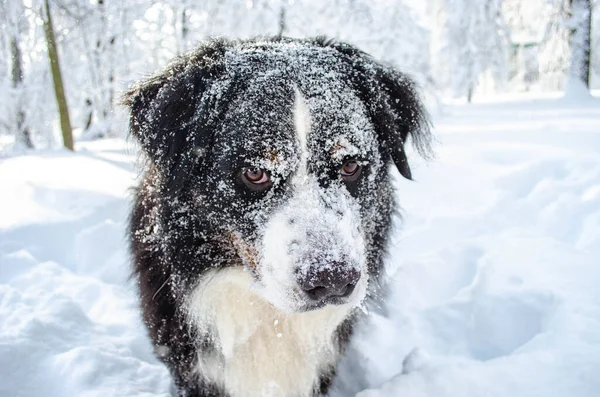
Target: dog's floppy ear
{"type": "Point", "coordinates": [392, 100]}
{"type": "Point", "coordinates": [169, 111]}
{"type": "Point", "coordinates": [405, 116]}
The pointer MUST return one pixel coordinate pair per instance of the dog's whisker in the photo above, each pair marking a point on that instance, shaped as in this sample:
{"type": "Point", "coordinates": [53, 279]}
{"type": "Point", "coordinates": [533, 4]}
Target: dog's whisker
{"type": "Point", "coordinates": [161, 287]}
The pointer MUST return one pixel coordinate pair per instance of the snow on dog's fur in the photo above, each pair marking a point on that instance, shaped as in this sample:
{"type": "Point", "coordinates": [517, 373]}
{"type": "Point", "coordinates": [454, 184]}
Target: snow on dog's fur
{"type": "Point", "coordinates": [261, 222]}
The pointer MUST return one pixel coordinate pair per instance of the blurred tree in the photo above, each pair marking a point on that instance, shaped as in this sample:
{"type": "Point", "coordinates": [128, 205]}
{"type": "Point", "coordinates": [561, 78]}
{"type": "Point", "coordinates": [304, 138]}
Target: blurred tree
{"type": "Point", "coordinates": [23, 135]}
{"type": "Point", "coordinates": [460, 47]}
{"type": "Point", "coordinates": [15, 27]}
{"type": "Point", "coordinates": [579, 24]}
{"type": "Point", "coordinates": [595, 44]}
{"type": "Point", "coordinates": [61, 100]}
{"type": "Point", "coordinates": [474, 40]}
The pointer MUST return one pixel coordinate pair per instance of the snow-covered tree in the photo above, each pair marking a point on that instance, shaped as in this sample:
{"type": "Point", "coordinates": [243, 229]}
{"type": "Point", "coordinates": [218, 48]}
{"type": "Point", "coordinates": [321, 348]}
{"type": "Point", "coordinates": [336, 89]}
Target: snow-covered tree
{"type": "Point", "coordinates": [99, 45]}
{"type": "Point", "coordinates": [595, 46]}
{"type": "Point", "coordinates": [388, 30]}
{"type": "Point", "coordinates": [15, 28]}
{"type": "Point", "coordinates": [473, 41]}
{"type": "Point", "coordinates": [452, 46]}
{"type": "Point", "coordinates": [579, 24]}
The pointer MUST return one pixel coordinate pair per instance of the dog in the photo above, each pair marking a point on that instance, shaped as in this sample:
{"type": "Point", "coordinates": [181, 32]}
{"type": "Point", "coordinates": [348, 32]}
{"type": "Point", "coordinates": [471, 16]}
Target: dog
{"type": "Point", "coordinates": [259, 227]}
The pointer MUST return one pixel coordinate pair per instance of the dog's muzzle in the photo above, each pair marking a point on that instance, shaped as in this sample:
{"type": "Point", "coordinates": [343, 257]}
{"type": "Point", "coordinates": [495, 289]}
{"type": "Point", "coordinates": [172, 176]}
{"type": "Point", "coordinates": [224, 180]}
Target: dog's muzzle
{"type": "Point", "coordinates": [313, 251]}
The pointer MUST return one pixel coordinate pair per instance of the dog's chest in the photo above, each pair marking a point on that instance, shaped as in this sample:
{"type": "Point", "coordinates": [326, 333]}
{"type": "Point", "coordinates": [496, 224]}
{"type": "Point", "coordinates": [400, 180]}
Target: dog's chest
{"type": "Point", "coordinates": [262, 351]}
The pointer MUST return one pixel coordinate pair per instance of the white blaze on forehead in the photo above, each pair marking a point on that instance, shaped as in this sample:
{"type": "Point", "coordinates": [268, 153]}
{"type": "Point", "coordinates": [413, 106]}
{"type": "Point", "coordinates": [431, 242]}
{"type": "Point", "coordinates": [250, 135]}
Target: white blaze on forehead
{"type": "Point", "coordinates": [301, 123]}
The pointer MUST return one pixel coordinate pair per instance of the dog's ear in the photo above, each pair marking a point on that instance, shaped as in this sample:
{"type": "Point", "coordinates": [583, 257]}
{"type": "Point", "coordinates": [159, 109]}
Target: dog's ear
{"type": "Point", "coordinates": [393, 102]}
{"type": "Point", "coordinates": [404, 116]}
{"type": "Point", "coordinates": [169, 111]}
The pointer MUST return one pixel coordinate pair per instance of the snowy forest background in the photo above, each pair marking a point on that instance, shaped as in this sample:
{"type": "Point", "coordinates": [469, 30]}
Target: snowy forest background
{"type": "Point", "coordinates": [453, 48]}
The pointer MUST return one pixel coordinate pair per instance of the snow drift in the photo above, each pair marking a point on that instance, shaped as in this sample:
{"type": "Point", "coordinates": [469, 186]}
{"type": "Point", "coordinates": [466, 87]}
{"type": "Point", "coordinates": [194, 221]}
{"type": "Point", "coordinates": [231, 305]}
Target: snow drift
{"type": "Point", "coordinates": [495, 267]}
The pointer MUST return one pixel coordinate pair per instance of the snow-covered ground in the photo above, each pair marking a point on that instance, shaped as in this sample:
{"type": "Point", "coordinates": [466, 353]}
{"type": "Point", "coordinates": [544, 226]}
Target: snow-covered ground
{"type": "Point", "coordinates": [496, 271]}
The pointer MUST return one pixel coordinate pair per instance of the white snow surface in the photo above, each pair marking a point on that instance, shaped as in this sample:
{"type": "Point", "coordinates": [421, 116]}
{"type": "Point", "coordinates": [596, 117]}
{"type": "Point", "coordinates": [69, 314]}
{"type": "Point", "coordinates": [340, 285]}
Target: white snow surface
{"type": "Point", "coordinates": [495, 268]}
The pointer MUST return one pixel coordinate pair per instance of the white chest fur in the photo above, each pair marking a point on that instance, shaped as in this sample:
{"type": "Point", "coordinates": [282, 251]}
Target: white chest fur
{"type": "Point", "coordinates": [264, 351]}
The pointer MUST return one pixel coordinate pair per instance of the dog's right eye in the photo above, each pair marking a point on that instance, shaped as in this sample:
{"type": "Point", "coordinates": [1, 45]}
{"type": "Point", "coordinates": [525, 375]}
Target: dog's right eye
{"type": "Point", "coordinates": [256, 179]}
{"type": "Point", "coordinates": [350, 171]}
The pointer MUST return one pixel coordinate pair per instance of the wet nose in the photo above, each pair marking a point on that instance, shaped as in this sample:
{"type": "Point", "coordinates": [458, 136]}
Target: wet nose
{"type": "Point", "coordinates": [329, 280]}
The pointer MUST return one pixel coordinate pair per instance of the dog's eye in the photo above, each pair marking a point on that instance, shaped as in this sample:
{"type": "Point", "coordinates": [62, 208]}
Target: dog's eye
{"type": "Point", "coordinates": [256, 179]}
{"type": "Point", "coordinates": [350, 171]}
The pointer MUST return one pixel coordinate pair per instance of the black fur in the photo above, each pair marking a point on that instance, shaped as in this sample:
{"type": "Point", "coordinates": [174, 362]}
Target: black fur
{"type": "Point", "coordinates": [183, 118]}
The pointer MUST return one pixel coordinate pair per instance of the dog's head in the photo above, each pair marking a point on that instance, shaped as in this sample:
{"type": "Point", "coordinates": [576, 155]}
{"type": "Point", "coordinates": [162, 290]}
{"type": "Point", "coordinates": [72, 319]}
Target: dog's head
{"type": "Point", "coordinates": [282, 148]}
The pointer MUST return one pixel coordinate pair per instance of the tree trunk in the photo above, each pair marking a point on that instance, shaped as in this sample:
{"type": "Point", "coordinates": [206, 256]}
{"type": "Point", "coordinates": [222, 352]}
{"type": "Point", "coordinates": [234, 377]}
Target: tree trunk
{"type": "Point", "coordinates": [109, 54]}
{"type": "Point", "coordinates": [184, 27]}
{"type": "Point", "coordinates": [580, 26]}
{"type": "Point", "coordinates": [63, 109]}
{"type": "Point", "coordinates": [281, 21]}
{"type": "Point", "coordinates": [90, 114]}
{"type": "Point", "coordinates": [23, 136]}
{"type": "Point", "coordinates": [470, 93]}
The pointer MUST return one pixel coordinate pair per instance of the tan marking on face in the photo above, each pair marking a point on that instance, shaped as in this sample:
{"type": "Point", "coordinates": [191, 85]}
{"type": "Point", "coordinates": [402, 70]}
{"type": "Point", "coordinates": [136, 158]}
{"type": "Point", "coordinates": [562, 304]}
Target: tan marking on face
{"type": "Point", "coordinates": [274, 157]}
{"type": "Point", "coordinates": [342, 149]}
{"type": "Point", "coordinates": [335, 149]}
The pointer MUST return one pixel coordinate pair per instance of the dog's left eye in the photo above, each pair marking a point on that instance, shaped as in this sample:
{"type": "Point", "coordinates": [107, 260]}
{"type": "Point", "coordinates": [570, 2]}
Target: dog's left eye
{"type": "Point", "coordinates": [256, 179]}
{"type": "Point", "coordinates": [350, 171]}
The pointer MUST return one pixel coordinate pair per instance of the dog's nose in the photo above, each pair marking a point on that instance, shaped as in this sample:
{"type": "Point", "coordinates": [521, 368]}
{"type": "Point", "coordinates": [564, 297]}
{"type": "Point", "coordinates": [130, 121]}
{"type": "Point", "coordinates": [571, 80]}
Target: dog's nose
{"type": "Point", "coordinates": [330, 280]}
